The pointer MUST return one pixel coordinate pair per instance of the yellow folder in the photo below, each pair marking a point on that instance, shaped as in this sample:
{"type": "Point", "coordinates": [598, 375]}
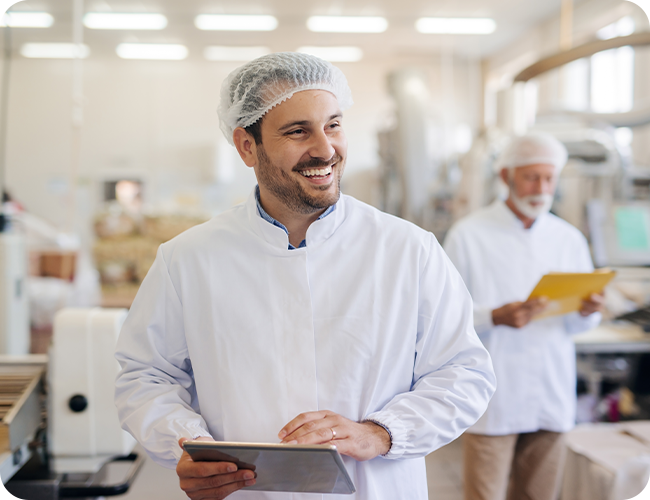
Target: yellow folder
{"type": "Point", "coordinates": [566, 291]}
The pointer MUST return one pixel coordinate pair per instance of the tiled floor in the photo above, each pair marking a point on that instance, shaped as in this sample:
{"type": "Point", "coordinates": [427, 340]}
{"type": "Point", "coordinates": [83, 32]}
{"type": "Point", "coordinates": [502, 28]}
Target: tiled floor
{"type": "Point", "coordinates": [444, 474]}
{"type": "Point", "coordinates": [154, 483]}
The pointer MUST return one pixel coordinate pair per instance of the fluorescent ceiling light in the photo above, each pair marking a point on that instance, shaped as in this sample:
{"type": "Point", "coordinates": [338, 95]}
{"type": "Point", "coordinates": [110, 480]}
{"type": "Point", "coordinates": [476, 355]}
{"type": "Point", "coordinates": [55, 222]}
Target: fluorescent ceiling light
{"type": "Point", "coordinates": [334, 54]}
{"type": "Point", "coordinates": [224, 53]}
{"type": "Point", "coordinates": [456, 25]}
{"type": "Point", "coordinates": [54, 51]}
{"type": "Point", "coordinates": [26, 20]}
{"type": "Point", "coordinates": [347, 24]}
{"type": "Point", "coordinates": [116, 21]}
{"type": "Point", "coordinates": [235, 23]}
{"type": "Point", "coordinates": [154, 51]}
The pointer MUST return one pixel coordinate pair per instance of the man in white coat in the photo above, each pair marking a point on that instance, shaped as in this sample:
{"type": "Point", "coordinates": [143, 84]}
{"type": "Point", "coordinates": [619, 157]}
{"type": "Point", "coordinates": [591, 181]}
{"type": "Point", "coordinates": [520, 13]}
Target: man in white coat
{"type": "Point", "coordinates": [301, 316]}
{"type": "Point", "coordinates": [501, 252]}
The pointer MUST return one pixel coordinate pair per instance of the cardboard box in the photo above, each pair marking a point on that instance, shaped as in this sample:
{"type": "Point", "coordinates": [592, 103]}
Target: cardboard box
{"type": "Point", "coordinates": [58, 264]}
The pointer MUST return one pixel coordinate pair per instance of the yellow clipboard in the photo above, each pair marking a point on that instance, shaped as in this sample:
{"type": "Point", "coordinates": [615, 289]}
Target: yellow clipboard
{"type": "Point", "coordinates": [566, 291]}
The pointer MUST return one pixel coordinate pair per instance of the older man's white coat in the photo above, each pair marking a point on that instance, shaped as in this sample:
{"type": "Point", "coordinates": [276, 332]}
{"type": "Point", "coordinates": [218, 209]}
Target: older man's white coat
{"type": "Point", "coordinates": [501, 262]}
{"type": "Point", "coordinates": [232, 335]}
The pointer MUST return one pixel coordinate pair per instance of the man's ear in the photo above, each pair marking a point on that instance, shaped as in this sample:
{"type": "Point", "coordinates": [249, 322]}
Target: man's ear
{"type": "Point", "coordinates": [246, 147]}
{"type": "Point", "coordinates": [505, 174]}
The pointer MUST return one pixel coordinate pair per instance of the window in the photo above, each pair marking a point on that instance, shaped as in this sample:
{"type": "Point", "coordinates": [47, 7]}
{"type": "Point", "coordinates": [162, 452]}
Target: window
{"type": "Point", "coordinates": [612, 72]}
{"type": "Point", "coordinates": [576, 85]}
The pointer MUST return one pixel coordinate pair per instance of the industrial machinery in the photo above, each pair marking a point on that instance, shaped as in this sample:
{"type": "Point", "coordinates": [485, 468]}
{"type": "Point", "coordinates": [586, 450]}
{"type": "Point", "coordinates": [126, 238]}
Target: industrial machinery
{"type": "Point", "coordinates": [417, 173]}
{"type": "Point", "coordinates": [84, 431]}
{"type": "Point", "coordinates": [60, 432]}
{"type": "Point", "coordinates": [600, 191]}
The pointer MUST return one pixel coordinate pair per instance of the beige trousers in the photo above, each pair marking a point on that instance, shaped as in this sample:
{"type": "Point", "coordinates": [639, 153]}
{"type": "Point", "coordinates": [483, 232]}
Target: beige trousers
{"type": "Point", "coordinates": [516, 466]}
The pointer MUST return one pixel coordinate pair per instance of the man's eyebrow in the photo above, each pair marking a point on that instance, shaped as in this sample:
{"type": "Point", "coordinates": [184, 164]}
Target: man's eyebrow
{"type": "Point", "coordinates": [293, 124]}
{"type": "Point", "coordinates": [304, 123]}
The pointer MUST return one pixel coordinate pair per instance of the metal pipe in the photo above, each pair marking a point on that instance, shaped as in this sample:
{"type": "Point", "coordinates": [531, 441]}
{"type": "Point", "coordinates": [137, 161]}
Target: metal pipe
{"type": "Point", "coordinates": [586, 50]}
{"type": "Point", "coordinates": [77, 112]}
{"type": "Point", "coordinates": [566, 25]}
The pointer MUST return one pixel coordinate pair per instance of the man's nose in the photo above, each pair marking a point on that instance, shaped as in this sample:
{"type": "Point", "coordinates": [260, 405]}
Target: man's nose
{"type": "Point", "coordinates": [546, 186]}
{"type": "Point", "coordinates": [540, 186]}
{"type": "Point", "coordinates": [321, 146]}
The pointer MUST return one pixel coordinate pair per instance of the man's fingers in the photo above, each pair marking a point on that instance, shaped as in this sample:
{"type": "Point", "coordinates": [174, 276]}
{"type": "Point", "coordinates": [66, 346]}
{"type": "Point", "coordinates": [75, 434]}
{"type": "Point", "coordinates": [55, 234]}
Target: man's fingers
{"type": "Point", "coordinates": [193, 470]}
{"type": "Point", "coordinates": [222, 492]}
{"type": "Point", "coordinates": [314, 435]}
{"type": "Point", "coordinates": [592, 304]}
{"type": "Point", "coordinates": [535, 304]}
{"type": "Point", "coordinates": [217, 481]}
{"type": "Point", "coordinates": [300, 420]}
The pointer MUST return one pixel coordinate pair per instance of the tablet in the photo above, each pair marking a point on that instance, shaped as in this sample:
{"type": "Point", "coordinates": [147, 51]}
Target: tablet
{"type": "Point", "coordinates": [281, 467]}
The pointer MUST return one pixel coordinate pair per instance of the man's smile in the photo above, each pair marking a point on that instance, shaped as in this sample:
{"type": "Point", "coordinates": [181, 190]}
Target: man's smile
{"type": "Point", "coordinates": [317, 172]}
{"type": "Point", "coordinates": [320, 173]}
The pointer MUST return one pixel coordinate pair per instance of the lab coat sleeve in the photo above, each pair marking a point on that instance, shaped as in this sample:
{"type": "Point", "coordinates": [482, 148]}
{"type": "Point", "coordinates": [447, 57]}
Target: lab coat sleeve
{"type": "Point", "coordinates": [453, 378]}
{"type": "Point", "coordinates": [455, 251]}
{"type": "Point", "coordinates": [574, 322]}
{"type": "Point", "coordinates": [155, 393]}
{"type": "Point", "coordinates": [482, 319]}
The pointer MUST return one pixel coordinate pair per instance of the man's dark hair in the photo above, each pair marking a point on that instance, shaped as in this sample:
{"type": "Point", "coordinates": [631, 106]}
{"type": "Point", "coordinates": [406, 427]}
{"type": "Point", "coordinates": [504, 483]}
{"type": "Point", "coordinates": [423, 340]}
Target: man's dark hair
{"type": "Point", "coordinates": [256, 131]}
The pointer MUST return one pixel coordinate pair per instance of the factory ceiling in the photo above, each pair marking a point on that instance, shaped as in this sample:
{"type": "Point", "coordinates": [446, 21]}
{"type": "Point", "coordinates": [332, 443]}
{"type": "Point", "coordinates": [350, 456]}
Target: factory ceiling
{"type": "Point", "coordinates": [513, 18]}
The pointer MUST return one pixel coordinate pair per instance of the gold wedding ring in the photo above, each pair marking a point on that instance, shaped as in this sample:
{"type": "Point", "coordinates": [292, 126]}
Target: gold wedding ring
{"type": "Point", "coordinates": [333, 433]}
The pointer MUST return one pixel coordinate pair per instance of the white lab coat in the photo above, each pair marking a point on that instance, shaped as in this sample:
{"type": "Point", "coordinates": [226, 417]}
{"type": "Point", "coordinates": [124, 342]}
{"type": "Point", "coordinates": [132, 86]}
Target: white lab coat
{"type": "Point", "coordinates": [232, 335]}
{"type": "Point", "coordinates": [501, 262]}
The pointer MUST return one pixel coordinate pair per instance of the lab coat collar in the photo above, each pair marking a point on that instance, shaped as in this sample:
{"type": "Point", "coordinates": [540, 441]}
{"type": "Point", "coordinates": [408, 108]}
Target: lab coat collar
{"type": "Point", "coordinates": [319, 231]}
{"type": "Point", "coordinates": [509, 218]}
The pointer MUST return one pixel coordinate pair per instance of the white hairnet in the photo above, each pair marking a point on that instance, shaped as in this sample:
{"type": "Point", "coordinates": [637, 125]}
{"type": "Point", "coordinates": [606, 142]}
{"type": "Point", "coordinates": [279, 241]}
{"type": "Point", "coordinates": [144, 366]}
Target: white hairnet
{"type": "Point", "coordinates": [251, 90]}
{"type": "Point", "coordinates": [533, 149]}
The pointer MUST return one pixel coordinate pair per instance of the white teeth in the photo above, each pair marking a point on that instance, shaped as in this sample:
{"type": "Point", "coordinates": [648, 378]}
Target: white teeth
{"type": "Point", "coordinates": [320, 172]}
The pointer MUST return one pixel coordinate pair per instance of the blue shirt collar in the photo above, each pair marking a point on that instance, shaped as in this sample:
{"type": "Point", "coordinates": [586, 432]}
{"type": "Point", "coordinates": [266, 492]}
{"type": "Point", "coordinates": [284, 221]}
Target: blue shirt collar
{"type": "Point", "coordinates": [271, 220]}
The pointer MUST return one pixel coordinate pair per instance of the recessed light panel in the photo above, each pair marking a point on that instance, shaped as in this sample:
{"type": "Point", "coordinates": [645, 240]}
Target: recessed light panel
{"type": "Point", "coordinates": [26, 20]}
{"type": "Point", "coordinates": [54, 51]}
{"type": "Point", "coordinates": [117, 21]}
{"type": "Point", "coordinates": [225, 53]}
{"type": "Point", "coordinates": [334, 54]}
{"type": "Point", "coordinates": [225, 22]}
{"type": "Point", "coordinates": [152, 51]}
{"type": "Point", "coordinates": [456, 25]}
{"type": "Point", "coordinates": [347, 24]}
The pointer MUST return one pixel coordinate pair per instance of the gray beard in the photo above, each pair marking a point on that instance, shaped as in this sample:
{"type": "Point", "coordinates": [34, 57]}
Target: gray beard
{"type": "Point", "coordinates": [525, 208]}
{"type": "Point", "coordinates": [289, 191]}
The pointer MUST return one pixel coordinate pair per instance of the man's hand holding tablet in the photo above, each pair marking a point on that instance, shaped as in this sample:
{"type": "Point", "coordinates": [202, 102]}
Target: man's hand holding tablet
{"type": "Point", "coordinates": [210, 480]}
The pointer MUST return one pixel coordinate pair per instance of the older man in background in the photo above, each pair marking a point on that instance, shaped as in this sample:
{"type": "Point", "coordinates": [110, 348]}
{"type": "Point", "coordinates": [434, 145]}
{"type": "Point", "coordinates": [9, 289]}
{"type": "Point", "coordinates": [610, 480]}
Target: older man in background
{"type": "Point", "coordinates": [516, 449]}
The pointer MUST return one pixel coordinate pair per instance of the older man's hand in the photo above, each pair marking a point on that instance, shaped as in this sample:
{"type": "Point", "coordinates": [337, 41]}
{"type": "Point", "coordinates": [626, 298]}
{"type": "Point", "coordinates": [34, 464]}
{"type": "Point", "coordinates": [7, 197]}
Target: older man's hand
{"type": "Point", "coordinates": [210, 480]}
{"type": "Point", "coordinates": [359, 440]}
{"type": "Point", "coordinates": [594, 303]}
{"type": "Point", "coordinates": [518, 314]}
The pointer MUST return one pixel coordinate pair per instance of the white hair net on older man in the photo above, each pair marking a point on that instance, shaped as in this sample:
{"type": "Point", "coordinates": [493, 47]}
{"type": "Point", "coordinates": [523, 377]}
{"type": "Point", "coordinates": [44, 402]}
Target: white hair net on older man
{"type": "Point", "coordinates": [250, 91]}
{"type": "Point", "coordinates": [533, 149]}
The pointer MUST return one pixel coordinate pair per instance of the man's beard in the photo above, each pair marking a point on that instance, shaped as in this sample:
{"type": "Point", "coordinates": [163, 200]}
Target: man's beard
{"type": "Point", "coordinates": [289, 190]}
{"type": "Point", "coordinates": [523, 204]}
